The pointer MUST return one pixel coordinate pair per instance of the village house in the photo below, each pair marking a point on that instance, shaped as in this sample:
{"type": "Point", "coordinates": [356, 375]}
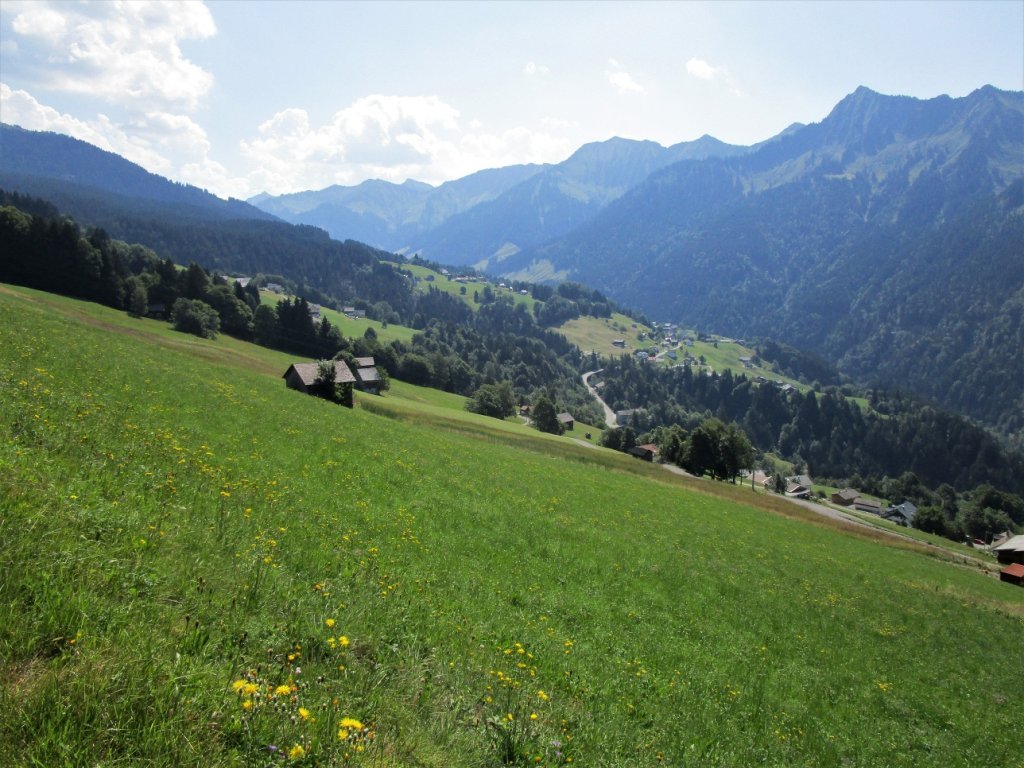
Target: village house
{"type": "Point", "coordinates": [646, 452]}
{"type": "Point", "coordinates": [903, 514]}
{"type": "Point", "coordinates": [567, 421]}
{"type": "Point", "coordinates": [797, 491]}
{"type": "Point", "coordinates": [845, 497]}
{"type": "Point", "coordinates": [1011, 551]}
{"type": "Point", "coordinates": [868, 505]}
{"type": "Point", "coordinates": [799, 486]}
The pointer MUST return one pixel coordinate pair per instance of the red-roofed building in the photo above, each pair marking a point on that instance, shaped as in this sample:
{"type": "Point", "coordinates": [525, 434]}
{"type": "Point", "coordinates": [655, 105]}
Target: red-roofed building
{"type": "Point", "coordinates": [1013, 574]}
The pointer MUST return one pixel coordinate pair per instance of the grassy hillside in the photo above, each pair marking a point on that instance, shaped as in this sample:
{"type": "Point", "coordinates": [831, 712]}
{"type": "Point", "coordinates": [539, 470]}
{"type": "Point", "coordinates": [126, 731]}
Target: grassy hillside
{"type": "Point", "coordinates": [427, 278]}
{"type": "Point", "coordinates": [597, 333]}
{"type": "Point", "coordinates": [201, 567]}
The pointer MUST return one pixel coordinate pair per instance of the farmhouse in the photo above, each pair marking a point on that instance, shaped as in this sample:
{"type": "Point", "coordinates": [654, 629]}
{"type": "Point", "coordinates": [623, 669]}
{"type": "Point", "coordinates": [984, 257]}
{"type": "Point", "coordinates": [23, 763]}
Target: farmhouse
{"type": "Point", "coordinates": [368, 380]}
{"type": "Point", "coordinates": [845, 497]}
{"type": "Point", "coordinates": [619, 343]}
{"type": "Point", "coordinates": [799, 486]}
{"type": "Point", "coordinates": [868, 505]}
{"type": "Point", "coordinates": [797, 491]}
{"type": "Point", "coordinates": [1011, 551]}
{"type": "Point", "coordinates": [647, 452]}
{"type": "Point", "coordinates": [302, 376]}
{"type": "Point", "coordinates": [567, 421]}
{"type": "Point", "coordinates": [901, 513]}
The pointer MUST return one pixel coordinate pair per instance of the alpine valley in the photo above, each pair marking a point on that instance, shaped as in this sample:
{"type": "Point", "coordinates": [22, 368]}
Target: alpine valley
{"type": "Point", "coordinates": [887, 238]}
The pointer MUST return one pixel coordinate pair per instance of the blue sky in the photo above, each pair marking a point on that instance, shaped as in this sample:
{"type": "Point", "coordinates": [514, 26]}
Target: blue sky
{"type": "Point", "coordinates": [245, 97]}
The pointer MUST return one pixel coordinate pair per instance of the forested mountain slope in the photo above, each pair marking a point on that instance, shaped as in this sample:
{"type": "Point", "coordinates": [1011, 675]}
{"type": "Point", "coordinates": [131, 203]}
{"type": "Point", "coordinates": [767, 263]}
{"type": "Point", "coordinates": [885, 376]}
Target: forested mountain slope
{"type": "Point", "coordinates": [887, 237]}
{"type": "Point", "coordinates": [58, 167]}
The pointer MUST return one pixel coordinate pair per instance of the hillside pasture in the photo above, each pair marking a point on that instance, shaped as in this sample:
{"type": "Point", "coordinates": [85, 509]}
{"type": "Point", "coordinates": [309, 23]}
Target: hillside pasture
{"type": "Point", "coordinates": [426, 278]}
{"type": "Point", "coordinates": [202, 567]}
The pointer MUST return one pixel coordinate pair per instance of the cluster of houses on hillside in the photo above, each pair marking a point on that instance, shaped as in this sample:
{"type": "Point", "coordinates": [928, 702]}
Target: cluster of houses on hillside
{"type": "Point", "coordinates": [901, 514]}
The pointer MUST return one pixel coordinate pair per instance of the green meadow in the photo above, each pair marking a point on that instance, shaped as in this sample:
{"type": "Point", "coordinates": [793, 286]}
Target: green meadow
{"type": "Point", "coordinates": [349, 327]}
{"type": "Point", "coordinates": [597, 334]}
{"type": "Point", "coordinates": [426, 278]}
{"type": "Point", "coordinates": [201, 567]}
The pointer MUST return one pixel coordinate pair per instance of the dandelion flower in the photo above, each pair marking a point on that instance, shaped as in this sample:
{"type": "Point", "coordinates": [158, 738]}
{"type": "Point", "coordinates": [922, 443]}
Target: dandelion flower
{"type": "Point", "coordinates": [296, 752]}
{"type": "Point", "coordinates": [304, 713]}
{"type": "Point", "coordinates": [329, 622]}
{"type": "Point", "coordinates": [342, 734]}
{"type": "Point", "coordinates": [282, 690]}
{"type": "Point", "coordinates": [343, 641]}
{"type": "Point", "coordinates": [238, 685]}
{"type": "Point", "coordinates": [351, 722]}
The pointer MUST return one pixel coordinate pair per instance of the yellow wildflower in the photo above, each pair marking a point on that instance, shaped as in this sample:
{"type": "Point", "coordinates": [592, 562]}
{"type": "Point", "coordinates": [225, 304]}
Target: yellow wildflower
{"type": "Point", "coordinates": [330, 622]}
{"type": "Point", "coordinates": [296, 752]}
{"type": "Point", "coordinates": [247, 704]}
{"type": "Point", "coordinates": [304, 713]}
{"type": "Point", "coordinates": [351, 722]}
{"type": "Point", "coordinates": [342, 734]}
{"type": "Point", "coordinates": [343, 641]}
{"type": "Point", "coordinates": [238, 685]}
{"type": "Point", "coordinates": [282, 690]}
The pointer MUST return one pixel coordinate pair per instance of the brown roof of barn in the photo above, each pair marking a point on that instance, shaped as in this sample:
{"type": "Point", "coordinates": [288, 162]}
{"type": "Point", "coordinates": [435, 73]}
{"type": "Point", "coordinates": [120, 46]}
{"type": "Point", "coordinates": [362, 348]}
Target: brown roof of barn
{"type": "Point", "coordinates": [307, 372]}
{"type": "Point", "coordinates": [1016, 570]}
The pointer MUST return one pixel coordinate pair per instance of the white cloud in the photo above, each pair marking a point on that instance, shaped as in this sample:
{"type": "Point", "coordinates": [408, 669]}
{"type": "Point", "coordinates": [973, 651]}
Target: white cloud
{"type": "Point", "coordinates": [386, 137]}
{"type": "Point", "coordinates": [533, 68]}
{"type": "Point", "coordinates": [622, 81]}
{"type": "Point", "coordinates": [701, 69]}
{"type": "Point", "coordinates": [115, 51]}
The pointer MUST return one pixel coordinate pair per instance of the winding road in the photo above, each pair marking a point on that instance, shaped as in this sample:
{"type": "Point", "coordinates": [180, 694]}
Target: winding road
{"type": "Point", "coordinates": [609, 414]}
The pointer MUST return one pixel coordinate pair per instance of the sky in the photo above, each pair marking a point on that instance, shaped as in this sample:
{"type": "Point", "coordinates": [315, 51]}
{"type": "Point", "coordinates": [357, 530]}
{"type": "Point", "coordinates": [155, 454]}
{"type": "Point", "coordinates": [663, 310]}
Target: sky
{"type": "Point", "coordinates": [242, 97]}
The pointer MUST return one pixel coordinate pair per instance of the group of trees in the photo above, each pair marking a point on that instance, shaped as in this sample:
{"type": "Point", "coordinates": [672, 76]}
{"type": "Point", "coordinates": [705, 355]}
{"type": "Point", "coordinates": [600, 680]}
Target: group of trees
{"type": "Point", "coordinates": [836, 436]}
{"type": "Point", "coordinates": [711, 447]}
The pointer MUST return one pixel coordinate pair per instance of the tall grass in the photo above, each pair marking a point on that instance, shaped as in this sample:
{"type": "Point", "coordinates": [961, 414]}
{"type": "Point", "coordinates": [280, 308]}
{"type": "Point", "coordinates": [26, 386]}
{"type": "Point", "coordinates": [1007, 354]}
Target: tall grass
{"type": "Point", "coordinates": [201, 567]}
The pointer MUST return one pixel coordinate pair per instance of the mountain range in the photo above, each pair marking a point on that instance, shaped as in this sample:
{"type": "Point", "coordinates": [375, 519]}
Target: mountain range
{"type": "Point", "coordinates": [889, 237]}
{"type": "Point", "coordinates": [483, 218]}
